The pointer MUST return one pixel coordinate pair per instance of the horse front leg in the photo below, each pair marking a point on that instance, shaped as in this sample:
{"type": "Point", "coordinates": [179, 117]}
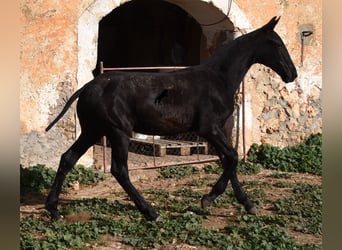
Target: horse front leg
{"type": "Point", "coordinates": [229, 161]}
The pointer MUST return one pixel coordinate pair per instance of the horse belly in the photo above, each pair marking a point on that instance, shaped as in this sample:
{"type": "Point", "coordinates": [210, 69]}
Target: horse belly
{"type": "Point", "coordinates": [165, 122]}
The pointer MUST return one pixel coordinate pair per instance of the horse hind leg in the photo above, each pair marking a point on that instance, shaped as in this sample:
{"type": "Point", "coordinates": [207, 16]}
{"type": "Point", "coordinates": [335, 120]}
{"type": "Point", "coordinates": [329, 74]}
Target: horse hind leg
{"type": "Point", "coordinates": [240, 194]}
{"type": "Point", "coordinates": [119, 170]}
{"type": "Point", "coordinates": [68, 160]}
{"type": "Point", "coordinates": [229, 173]}
{"type": "Point", "coordinates": [229, 160]}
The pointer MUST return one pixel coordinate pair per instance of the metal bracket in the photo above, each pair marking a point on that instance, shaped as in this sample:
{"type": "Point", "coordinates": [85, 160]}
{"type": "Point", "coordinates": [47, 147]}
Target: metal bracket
{"type": "Point", "coordinates": [303, 35]}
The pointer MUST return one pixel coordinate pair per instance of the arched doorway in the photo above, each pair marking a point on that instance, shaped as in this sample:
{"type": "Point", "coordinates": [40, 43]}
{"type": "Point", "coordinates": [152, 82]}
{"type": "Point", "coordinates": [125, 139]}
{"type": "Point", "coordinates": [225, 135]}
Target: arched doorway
{"type": "Point", "coordinates": [201, 12]}
{"type": "Point", "coordinates": [194, 47]}
{"type": "Point", "coordinates": [148, 33]}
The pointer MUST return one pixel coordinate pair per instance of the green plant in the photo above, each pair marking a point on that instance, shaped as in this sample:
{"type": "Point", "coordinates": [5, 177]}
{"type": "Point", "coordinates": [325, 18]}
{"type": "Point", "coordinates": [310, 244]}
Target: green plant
{"type": "Point", "coordinates": [203, 181]}
{"type": "Point", "coordinates": [248, 168]}
{"type": "Point", "coordinates": [182, 222]}
{"type": "Point", "coordinates": [213, 168]}
{"type": "Point", "coordinates": [188, 192]}
{"type": "Point", "coordinates": [178, 171]}
{"type": "Point", "coordinates": [85, 175]}
{"type": "Point", "coordinates": [281, 175]}
{"type": "Point", "coordinates": [305, 157]}
{"type": "Point", "coordinates": [36, 179]}
{"type": "Point", "coordinates": [261, 232]}
{"type": "Point", "coordinates": [304, 207]}
{"type": "Point", "coordinates": [38, 234]}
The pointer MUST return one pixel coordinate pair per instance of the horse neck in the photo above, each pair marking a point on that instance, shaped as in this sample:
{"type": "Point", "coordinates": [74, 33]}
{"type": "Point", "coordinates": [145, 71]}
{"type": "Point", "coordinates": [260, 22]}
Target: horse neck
{"type": "Point", "coordinates": [232, 62]}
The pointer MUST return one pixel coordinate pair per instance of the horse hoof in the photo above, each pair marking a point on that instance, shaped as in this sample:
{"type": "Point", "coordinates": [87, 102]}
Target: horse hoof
{"type": "Point", "coordinates": [153, 216]}
{"type": "Point", "coordinates": [205, 202]}
{"type": "Point", "coordinates": [55, 216]}
{"type": "Point", "coordinates": [159, 219]}
{"type": "Point", "coordinates": [253, 211]}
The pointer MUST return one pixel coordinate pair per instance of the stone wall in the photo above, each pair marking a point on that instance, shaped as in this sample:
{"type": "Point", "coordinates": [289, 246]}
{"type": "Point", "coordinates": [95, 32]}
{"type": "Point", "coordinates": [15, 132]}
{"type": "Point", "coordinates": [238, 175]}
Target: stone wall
{"type": "Point", "coordinates": [278, 113]}
{"type": "Point", "coordinates": [55, 32]}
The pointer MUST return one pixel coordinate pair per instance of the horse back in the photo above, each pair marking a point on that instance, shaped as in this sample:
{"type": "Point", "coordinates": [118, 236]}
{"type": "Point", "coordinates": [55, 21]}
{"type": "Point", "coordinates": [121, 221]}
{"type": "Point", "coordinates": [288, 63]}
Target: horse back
{"type": "Point", "coordinates": [155, 103]}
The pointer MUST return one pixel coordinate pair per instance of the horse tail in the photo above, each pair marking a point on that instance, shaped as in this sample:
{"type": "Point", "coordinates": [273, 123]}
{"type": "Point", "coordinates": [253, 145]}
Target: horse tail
{"type": "Point", "coordinates": [66, 107]}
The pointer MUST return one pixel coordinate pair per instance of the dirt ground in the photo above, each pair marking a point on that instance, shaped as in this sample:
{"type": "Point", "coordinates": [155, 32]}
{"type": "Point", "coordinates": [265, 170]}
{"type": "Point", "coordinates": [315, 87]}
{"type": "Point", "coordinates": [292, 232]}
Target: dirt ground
{"type": "Point", "coordinates": [147, 179]}
{"type": "Point", "coordinates": [143, 161]}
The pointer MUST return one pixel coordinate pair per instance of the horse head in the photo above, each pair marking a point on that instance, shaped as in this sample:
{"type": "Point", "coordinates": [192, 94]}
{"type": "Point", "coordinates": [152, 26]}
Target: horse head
{"type": "Point", "coordinates": [272, 52]}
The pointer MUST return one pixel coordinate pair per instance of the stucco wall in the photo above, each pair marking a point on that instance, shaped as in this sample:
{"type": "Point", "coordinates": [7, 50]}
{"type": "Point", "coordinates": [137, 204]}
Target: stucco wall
{"type": "Point", "coordinates": [48, 58]}
{"type": "Point", "coordinates": [51, 70]}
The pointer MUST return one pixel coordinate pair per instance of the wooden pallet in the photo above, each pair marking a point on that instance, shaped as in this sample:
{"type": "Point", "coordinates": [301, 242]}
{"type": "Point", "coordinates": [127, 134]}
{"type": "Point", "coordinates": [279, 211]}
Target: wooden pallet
{"type": "Point", "coordinates": [162, 147]}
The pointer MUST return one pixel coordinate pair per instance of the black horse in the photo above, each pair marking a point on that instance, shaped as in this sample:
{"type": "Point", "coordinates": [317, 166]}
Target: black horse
{"type": "Point", "coordinates": [198, 99]}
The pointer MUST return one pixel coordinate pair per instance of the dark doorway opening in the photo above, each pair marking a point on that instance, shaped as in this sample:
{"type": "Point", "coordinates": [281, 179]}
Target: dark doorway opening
{"type": "Point", "coordinates": [148, 33]}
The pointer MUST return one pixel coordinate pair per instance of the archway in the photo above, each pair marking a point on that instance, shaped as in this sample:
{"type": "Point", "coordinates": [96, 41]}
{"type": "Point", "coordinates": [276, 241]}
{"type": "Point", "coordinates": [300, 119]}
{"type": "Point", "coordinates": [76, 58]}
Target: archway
{"type": "Point", "coordinates": [148, 33]}
{"type": "Point", "coordinates": [204, 12]}
{"type": "Point", "coordinates": [193, 14]}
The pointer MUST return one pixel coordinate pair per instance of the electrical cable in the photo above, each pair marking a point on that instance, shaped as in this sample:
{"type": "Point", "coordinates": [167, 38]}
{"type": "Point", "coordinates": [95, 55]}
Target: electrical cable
{"type": "Point", "coordinates": [221, 20]}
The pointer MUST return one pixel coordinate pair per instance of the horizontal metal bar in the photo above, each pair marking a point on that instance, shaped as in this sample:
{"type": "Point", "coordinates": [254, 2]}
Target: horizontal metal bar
{"type": "Point", "coordinates": [144, 68]}
{"type": "Point", "coordinates": [177, 164]}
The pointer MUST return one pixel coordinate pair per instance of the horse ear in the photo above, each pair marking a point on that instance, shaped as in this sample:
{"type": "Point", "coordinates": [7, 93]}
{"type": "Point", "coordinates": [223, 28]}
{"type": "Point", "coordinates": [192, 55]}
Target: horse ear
{"type": "Point", "coordinates": [271, 24]}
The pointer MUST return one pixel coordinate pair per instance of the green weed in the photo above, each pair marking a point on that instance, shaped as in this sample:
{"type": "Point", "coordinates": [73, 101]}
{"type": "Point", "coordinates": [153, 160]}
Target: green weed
{"type": "Point", "coordinates": [178, 171]}
{"type": "Point", "coordinates": [304, 208]}
{"type": "Point", "coordinates": [183, 219]}
{"type": "Point", "coordinates": [38, 178]}
{"type": "Point", "coordinates": [304, 158]}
